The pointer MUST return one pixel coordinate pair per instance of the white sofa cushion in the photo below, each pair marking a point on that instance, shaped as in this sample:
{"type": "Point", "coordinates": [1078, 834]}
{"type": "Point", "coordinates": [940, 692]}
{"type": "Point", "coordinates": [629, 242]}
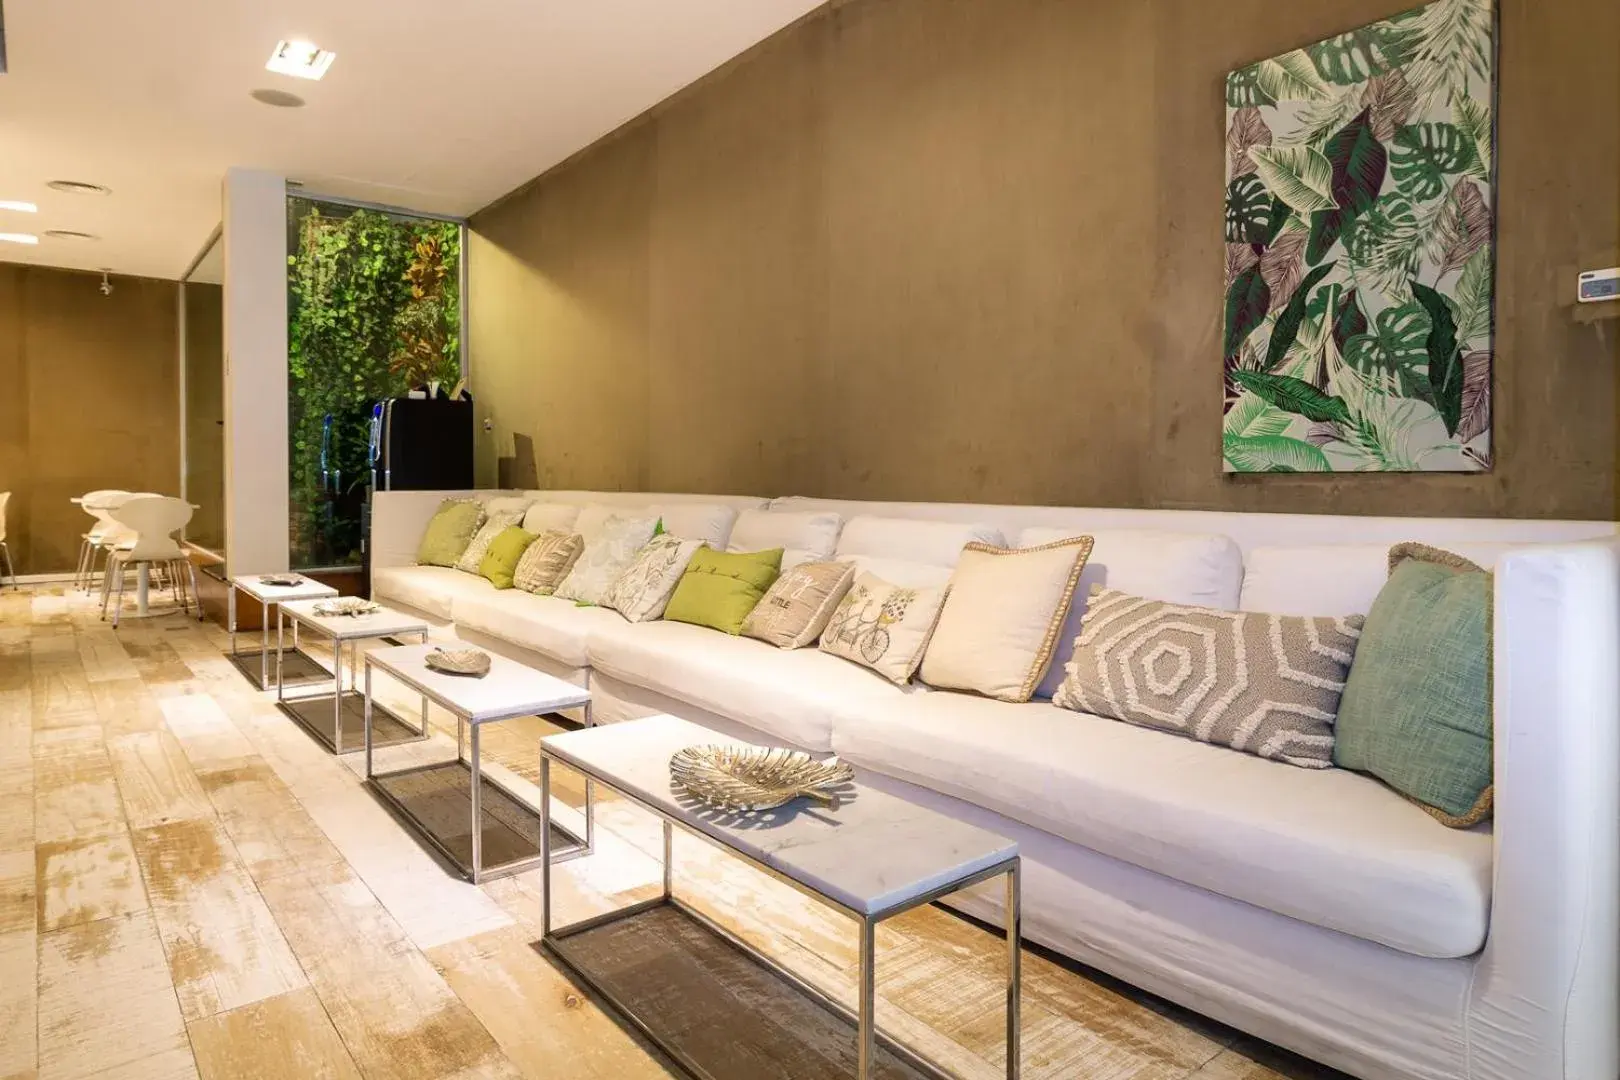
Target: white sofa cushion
{"type": "Point", "coordinates": [910, 552]}
{"type": "Point", "coordinates": [1327, 847]}
{"type": "Point", "coordinates": [793, 696]}
{"type": "Point", "coordinates": [431, 589]}
{"type": "Point", "coordinates": [1195, 569]}
{"type": "Point", "coordinates": [1333, 579]}
{"type": "Point", "coordinates": [803, 537]}
{"type": "Point", "coordinates": [542, 516]}
{"type": "Point", "coordinates": [708, 522]}
{"type": "Point", "coordinates": [546, 624]}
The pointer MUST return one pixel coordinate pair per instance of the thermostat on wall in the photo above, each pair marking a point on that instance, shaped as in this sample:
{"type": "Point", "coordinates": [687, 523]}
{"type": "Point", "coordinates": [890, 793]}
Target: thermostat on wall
{"type": "Point", "coordinates": [1599, 285]}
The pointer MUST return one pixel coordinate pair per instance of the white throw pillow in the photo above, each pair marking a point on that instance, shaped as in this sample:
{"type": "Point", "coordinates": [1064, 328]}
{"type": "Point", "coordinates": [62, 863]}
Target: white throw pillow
{"type": "Point", "coordinates": [595, 516]}
{"type": "Point", "coordinates": [509, 504]}
{"type": "Point", "coordinates": [643, 590]}
{"type": "Point", "coordinates": [543, 516]}
{"type": "Point", "coordinates": [708, 522]}
{"type": "Point", "coordinates": [606, 556]}
{"type": "Point", "coordinates": [883, 626]}
{"type": "Point", "coordinates": [999, 627]}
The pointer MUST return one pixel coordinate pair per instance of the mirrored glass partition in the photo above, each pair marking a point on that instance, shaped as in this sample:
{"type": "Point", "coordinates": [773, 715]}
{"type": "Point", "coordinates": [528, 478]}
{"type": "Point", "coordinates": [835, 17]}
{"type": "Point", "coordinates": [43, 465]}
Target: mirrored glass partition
{"type": "Point", "coordinates": [202, 365]}
{"type": "Point", "coordinates": [374, 312]}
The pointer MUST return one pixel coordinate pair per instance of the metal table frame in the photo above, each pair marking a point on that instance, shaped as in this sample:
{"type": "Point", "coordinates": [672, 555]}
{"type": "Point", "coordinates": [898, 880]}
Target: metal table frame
{"type": "Point", "coordinates": [336, 745]}
{"type": "Point", "coordinates": [477, 873]}
{"type": "Point", "coordinates": [264, 631]}
{"type": "Point", "coordinates": [864, 1016]}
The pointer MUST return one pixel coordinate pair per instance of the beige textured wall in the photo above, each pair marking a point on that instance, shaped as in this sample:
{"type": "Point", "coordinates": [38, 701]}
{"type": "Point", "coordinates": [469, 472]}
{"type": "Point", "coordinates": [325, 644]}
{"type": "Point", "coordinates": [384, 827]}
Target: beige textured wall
{"type": "Point", "coordinates": [948, 249]}
{"type": "Point", "coordinates": [91, 400]}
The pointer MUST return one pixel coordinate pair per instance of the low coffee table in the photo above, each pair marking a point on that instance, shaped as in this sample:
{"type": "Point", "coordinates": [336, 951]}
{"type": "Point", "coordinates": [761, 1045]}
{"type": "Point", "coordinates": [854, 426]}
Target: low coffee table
{"type": "Point", "coordinates": [298, 665]}
{"type": "Point", "coordinates": [480, 826]}
{"type": "Point", "coordinates": [337, 719]}
{"type": "Point", "coordinates": [687, 983]}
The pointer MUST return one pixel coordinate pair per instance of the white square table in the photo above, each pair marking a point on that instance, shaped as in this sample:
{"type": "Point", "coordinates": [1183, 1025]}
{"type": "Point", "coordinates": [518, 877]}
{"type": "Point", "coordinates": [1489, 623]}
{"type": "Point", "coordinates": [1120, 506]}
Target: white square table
{"type": "Point", "coordinates": [347, 713]}
{"type": "Point", "coordinates": [872, 857]}
{"type": "Point", "coordinates": [268, 596]}
{"type": "Point", "coordinates": [439, 800]}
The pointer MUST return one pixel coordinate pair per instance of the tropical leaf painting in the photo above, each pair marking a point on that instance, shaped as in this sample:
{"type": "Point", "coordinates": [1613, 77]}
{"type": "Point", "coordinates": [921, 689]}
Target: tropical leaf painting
{"type": "Point", "coordinates": [1360, 253]}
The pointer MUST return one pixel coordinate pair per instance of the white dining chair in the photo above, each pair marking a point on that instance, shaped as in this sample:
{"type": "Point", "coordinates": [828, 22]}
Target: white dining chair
{"type": "Point", "coordinates": [102, 533]}
{"type": "Point", "coordinates": [5, 549]}
{"type": "Point", "coordinates": [152, 521]}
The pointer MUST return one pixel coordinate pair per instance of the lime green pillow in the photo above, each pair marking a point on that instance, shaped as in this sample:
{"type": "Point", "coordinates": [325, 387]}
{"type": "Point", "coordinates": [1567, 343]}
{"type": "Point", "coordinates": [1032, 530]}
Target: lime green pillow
{"type": "Point", "coordinates": [450, 531]}
{"type": "Point", "coordinates": [1416, 709]}
{"type": "Point", "coordinates": [720, 589]}
{"type": "Point", "coordinates": [500, 561]}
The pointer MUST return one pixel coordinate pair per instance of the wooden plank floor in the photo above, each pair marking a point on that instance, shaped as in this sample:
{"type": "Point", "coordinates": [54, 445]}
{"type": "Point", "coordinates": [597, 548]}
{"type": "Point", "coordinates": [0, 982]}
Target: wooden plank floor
{"type": "Point", "coordinates": [191, 886]}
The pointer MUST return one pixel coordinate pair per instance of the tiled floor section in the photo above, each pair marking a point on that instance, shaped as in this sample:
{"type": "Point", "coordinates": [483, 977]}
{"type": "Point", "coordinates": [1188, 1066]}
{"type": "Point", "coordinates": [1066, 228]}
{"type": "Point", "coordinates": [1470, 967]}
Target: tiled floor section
{"type": "Point", "coordinates": [191, 886]}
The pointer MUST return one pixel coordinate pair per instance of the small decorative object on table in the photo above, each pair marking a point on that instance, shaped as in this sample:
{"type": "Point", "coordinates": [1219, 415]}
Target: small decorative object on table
{"type": "Point", "coordinates": [756, 777]}
{"type": "Point", "coordinates": [459, 662]}
{"type": "Point", "coordinates": [347, 605]}
{"type": "Point", "coordinates": [281, 580]}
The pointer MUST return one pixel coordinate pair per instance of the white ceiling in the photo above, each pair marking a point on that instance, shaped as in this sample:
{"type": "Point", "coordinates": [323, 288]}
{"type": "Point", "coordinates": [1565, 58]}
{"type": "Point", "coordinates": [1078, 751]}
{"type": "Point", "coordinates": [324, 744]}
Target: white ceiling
{"type": "Point", "coordinates": [437, 106]}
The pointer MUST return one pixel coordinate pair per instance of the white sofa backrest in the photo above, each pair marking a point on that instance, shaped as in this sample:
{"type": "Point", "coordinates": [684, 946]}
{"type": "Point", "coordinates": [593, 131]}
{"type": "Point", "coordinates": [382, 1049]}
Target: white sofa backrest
{"type": "Point", "coordinates": [1198, 569]}
{"type": "Point", "coordinates": [1335, 579]}
{"type": "Point", "coordinates": [907, 551]}
{"type": "Point", "coordinates": [807, 537]}
{"type": "Point", "coordinates": [1248, 530]}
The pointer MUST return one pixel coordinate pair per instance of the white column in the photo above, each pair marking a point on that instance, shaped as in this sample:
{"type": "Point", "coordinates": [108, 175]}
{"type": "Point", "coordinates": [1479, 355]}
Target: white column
{"type": "Point", "coordinates": [256, 514]}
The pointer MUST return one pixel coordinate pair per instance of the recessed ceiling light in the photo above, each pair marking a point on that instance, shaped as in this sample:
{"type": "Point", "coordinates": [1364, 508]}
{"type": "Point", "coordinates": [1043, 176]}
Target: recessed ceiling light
{"type": "Point", "coordinates": [78, 187]}
{"type": "Point", "coordinates": [278, 98]}
{"type": "Point", "coordinates": [300, 59]}
{"type": "Point", "coordinates": [19, 206]}
{"type": "Point", "coordinates": [70, 234]}
{"type": "Point", "coordinates": [18, 238]}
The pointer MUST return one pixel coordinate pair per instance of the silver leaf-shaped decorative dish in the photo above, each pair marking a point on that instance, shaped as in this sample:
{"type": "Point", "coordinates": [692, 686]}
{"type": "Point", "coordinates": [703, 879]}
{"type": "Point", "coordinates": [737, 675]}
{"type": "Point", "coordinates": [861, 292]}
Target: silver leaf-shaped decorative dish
{"type": "Point", "coordinates": [346, 605]}
{"type": "Point", "coordinates": [756, 777]}
{"type": "Point", "coordinates": [282, 580]}
{"type": "Point", "coordinates": [470, 662]}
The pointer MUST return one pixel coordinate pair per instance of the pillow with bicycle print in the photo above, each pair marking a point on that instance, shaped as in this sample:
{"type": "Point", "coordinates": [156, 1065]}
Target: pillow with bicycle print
{"type": "Point", "coordinates": [884, 627]}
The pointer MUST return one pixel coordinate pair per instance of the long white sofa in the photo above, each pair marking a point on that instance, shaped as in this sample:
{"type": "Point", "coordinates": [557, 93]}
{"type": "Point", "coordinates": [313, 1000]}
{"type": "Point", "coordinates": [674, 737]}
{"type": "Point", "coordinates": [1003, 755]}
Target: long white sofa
{"type": "Point", "coordinates": [1315, 909]}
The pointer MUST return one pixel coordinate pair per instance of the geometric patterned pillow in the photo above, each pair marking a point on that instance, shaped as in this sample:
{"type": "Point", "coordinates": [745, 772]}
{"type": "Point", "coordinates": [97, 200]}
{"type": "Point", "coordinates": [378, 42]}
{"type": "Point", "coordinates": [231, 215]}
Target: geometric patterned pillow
{"type": "Point", "coordinates": [1268, 685]}
{"type": "Point", "coordinates": [492, 527]}
{"type": "Point", "coordinates": [547, 561]}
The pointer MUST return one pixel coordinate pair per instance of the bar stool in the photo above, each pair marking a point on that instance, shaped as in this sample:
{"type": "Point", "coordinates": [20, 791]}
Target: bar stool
{"type": "Point", "coordinates": [153, 520]}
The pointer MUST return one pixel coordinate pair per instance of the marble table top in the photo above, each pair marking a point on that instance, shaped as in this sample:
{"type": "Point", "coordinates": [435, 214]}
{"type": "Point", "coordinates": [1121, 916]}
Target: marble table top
{"type": "Point", "coordinates": [306, 589]}
{"type": "Point", "coordinates": [380, 623]}
{"type": "Point", "coordinates": [873, 854]}
{"type": "Point", "coordinates": [510, 689]}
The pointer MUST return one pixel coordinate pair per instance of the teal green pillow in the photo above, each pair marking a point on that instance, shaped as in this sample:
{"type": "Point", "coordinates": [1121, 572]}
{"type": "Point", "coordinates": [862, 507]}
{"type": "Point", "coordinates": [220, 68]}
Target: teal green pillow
{"type": "Point", "coordinates": [500, 561]}
{"type": "Point", "coordinates": [1416, 710]}
{"type": "Point", "coordinates": [450, 531]}
{"type": "Point", "coordinates": [720, 589]}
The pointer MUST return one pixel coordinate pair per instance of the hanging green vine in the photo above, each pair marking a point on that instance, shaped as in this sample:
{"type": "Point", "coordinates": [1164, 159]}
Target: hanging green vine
{"type": "Point", "coordinates": [374, 309]}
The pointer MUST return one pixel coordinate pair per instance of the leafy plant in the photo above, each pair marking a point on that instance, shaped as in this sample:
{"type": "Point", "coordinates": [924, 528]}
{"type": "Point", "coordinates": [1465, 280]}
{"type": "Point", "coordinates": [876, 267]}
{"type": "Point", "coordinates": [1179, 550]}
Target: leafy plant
{"type": "Point", "coordinates": [373, 310]}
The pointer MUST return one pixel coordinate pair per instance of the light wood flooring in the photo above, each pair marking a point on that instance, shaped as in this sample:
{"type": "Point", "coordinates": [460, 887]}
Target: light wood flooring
{"type": "Point", "coordinates": [191, 886]}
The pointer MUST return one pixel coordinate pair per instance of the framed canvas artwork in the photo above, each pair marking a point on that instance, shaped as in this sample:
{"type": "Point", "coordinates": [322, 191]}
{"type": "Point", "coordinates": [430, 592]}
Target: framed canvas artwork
{"type": "Point", "coordinates": [1360, 249]}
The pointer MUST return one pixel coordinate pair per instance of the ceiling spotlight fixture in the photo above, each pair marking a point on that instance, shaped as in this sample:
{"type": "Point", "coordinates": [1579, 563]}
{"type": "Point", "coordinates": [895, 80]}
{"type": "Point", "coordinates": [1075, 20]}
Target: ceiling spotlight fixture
{"type": "Point", "coordinates": [18, 238]}
{"type": "Point", "coordinates": [78, 187]}
{"type": "Point", "coordinates": [19, 206]}
{"type": "Point", "coordinates": [279, 99]}
{"type": "Point", "coordinates": [300, 59]}
{"type": "Point", "coordinates": [70, 234]}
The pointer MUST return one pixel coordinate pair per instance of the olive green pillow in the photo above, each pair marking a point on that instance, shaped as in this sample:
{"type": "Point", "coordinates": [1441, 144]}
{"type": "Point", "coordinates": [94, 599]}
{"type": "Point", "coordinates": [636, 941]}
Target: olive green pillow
{"type": "Point", "coordinates": [719, 588]}
{"type": "Point", "coordinates": [450, 531]}
{"type": "Point", "coordinates": [499, 563]}
{"type": "Point", "coordinates": [1416, 710]}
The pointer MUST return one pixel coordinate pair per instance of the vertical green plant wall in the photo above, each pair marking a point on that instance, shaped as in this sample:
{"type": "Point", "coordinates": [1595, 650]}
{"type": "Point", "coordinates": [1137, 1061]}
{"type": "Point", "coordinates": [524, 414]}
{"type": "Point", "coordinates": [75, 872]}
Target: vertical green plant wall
{"type": "Point", "coordinates": [374, 309]}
